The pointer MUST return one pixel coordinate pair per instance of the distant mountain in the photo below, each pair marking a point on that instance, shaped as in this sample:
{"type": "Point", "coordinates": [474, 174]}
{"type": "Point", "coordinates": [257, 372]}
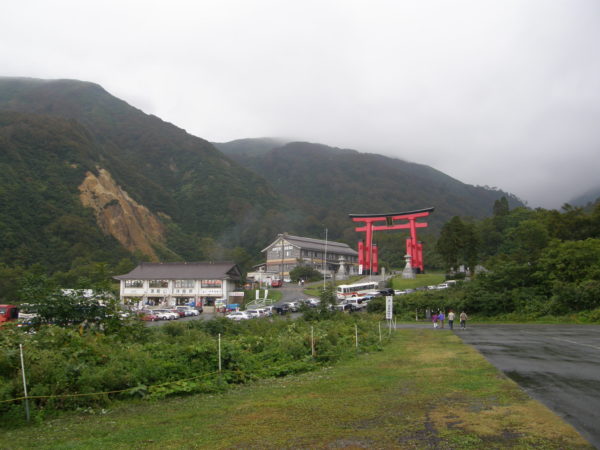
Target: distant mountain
{"type": "Point", "coordinates": [329, 183]}
{"type": "Point", "coordinates": [250, 147]}
{"type": "Point", "coordinates": [88, 178]}
{"type": "Point", "coordinates": [588, 197]}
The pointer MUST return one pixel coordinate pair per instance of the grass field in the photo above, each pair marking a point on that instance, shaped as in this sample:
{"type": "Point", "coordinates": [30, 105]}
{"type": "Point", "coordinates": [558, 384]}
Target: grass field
{"type": "Point", "coordinates": [425, 279]}
{"type": "Point", "coordinates": [426, 389]}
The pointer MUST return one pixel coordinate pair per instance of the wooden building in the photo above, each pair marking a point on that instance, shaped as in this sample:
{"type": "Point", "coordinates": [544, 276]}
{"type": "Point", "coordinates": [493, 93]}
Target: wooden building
{"type": "Point", "coordinates": [328, 257]}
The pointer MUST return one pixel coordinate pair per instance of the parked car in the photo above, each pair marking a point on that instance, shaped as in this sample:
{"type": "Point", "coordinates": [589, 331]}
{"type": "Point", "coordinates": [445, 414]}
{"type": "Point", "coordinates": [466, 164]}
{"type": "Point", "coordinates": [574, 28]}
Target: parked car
{"type": "Point", "coordinates": [356, 304]}
{"type": "Point", "coordinates": [253, 313]}
{"type": "Point", "coordinates": [387, 291]}
{"type": "Point", "coordinates": [282, 309]}
{"type": "Point", "coordinates": [293, 306]}
{"type": "Point", "coordinates": [178, 312]}
{"type": "Point", "coordinates": [399, 292]}
{"type": "Point", "coordinates": [268, 311]}
{"type": "Point", "coordinates": [147, 315]}
{"type": "Point", "coordinates": [165, 314]}
{"type": "Point", "coordinates": [276, 283]}
{"type": "Point", "coordinates": [188, 310]}
{"type": "Point", "coordinates": [311, 302]}
{"type": "Point", "coordinates": [238, 315]}
{"type": "Point", "coordinates": [341, 307]}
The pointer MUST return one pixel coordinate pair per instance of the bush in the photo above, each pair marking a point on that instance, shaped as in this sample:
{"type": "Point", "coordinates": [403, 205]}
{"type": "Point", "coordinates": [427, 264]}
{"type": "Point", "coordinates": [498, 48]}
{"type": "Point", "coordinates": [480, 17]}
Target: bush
{"type": "Point", "coordinates": [174, 359]}
{"type": "Point", "coordinates": [305, 273]}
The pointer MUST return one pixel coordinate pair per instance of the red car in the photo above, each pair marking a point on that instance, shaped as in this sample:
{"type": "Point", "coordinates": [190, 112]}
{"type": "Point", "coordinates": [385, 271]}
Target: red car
{"type": "Point", "coordinates": [276, 283]}
{"type": "Point", "coordinates": [147, 315]}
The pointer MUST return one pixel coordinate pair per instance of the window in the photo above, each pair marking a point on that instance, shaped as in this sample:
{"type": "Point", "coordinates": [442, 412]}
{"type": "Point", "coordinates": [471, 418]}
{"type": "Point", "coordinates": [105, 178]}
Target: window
{"type": "Point", "coordinates": [212, 284]}
{"type": "Point", "coordinates": [184, 283]}
{"type": "Point", "coordinates": [159, 283]}
{"type": "Point", "coordinates": [134, 283]}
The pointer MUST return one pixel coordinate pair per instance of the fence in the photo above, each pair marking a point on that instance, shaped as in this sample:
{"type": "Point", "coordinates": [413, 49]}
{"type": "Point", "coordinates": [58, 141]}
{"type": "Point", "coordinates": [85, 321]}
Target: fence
{"type": "Point", "coordinates": [216, 375]}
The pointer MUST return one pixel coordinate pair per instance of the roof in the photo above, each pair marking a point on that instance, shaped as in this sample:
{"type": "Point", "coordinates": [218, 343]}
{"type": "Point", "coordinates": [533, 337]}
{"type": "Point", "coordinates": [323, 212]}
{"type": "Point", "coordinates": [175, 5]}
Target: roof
{"type": "Point", "coordinates": [316, 244]}
{"type": "Point", "coordinates": [184, 271]}
{"type": "Point", "coordinates": [404, 213]}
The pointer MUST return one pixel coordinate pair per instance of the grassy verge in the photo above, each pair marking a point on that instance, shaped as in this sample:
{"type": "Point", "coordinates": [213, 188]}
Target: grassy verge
{"type": "Point", "coordinates": [424, 279]}
{"type": "Point", "coordinates": [425, 390]}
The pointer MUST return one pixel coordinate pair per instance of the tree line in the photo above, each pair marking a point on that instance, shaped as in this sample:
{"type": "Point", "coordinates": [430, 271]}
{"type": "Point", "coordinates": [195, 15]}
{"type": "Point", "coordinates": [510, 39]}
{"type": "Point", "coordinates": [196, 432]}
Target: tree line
{"type": "Point", "coordinates": [531, 262]}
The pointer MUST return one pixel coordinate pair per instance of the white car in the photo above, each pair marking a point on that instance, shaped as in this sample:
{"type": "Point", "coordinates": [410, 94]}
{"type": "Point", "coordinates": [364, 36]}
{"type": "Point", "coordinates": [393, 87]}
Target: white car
{"type": "Point", "coordinates": [238, 315]}
{"type": "Point", "coordinates": [188, 310]}
{"type": "Point", "coordinates": [253, 313]}
{"type": "Point", "coordinates": [165, 314]}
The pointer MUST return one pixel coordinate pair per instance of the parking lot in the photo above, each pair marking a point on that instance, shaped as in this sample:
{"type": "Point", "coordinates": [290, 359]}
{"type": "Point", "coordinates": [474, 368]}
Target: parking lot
{"type": "Point", "coordinates": [558, 365]}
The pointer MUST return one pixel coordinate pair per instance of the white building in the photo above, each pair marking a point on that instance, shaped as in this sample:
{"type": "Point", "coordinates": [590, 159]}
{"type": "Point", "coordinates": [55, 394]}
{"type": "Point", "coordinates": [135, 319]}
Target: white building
{"type": "Point", "coordinates": [171, 284]}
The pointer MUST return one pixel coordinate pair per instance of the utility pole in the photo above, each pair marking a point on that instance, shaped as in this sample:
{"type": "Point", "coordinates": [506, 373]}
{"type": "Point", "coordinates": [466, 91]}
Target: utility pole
{"type": "Point", "coordinates": [325, 260]}
{"type": "Point", "coordinates": [282, 258]}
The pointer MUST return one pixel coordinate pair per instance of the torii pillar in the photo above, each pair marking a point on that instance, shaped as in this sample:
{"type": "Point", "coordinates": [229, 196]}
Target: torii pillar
{"type": "Point", "coordinates": [367, 252]}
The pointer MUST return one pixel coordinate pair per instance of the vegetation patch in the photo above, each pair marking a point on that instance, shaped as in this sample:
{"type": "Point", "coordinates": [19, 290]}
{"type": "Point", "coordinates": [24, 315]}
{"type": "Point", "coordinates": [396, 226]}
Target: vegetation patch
{"type": "Point", "coordinates": [385, 399]}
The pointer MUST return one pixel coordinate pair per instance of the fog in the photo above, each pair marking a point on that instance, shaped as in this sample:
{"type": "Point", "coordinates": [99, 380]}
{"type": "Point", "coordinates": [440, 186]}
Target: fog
{"type": "Point", "coordinates": [504, 94]}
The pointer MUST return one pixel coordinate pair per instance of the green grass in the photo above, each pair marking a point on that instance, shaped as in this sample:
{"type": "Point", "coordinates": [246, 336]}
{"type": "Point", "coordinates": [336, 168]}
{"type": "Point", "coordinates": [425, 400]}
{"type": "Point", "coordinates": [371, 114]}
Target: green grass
{"type": "Point", "coordinates": [424, 279]}
{"type": "Point", "coordinates": [425, 390]}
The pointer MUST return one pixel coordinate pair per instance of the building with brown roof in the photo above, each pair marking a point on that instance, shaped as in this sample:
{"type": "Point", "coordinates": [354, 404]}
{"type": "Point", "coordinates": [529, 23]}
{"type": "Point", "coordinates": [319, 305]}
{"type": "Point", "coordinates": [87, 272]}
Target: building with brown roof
{"type": "Point", "coordinates": [180, 283]}
{"type": "Point", "coordinates": [328, 257]}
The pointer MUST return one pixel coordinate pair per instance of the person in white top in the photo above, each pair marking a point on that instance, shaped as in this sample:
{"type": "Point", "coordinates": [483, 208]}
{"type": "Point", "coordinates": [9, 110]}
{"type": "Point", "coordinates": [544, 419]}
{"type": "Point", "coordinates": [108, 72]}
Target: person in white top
{"type": "Point", "coordinates": [451, 316]}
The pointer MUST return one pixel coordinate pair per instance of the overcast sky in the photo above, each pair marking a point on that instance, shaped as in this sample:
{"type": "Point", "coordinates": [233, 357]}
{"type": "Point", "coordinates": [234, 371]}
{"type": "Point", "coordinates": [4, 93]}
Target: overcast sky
{"type": "Point", "coordinates": [500, 93]}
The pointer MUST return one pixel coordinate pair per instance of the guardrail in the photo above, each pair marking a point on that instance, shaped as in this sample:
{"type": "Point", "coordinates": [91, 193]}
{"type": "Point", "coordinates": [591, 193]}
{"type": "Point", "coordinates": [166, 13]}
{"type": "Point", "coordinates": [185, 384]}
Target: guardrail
{"type": "Point", "coordinates": [260, 303]}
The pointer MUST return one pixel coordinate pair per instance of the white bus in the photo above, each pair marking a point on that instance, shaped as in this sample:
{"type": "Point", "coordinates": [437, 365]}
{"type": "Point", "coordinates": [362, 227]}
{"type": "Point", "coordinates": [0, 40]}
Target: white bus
{"type": "Point", "coordinates": [355, 290]}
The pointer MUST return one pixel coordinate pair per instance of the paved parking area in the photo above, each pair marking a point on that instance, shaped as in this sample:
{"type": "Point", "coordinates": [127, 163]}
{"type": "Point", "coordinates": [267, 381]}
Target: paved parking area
{"type": "Point", "coordinates": [558, 365]}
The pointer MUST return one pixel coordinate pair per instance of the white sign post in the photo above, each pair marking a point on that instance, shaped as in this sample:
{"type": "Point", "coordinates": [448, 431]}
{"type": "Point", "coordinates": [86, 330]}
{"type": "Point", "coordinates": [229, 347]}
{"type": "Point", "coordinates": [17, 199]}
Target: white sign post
{"type": "Point", "coordinates": [389, 310]}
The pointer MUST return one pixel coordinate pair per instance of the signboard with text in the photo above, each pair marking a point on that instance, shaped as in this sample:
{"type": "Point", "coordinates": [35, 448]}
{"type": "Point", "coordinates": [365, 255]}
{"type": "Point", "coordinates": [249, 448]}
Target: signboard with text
{"type": "Point", "coordinates": [389, 307]}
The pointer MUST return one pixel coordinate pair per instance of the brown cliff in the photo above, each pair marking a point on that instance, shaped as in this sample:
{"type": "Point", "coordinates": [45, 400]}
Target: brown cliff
{"type": "Point", "coordinates": [117, 214]}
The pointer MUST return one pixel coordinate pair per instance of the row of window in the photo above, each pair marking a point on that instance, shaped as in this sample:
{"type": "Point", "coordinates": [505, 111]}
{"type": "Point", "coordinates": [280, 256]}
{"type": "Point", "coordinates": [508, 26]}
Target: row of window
{"type": "Point", "coordinates": [177, 283]}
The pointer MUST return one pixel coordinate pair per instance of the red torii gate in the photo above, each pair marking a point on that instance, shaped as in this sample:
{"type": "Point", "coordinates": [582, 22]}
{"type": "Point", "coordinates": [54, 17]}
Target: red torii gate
{"type": "Point", "coordinates": [367, 252]}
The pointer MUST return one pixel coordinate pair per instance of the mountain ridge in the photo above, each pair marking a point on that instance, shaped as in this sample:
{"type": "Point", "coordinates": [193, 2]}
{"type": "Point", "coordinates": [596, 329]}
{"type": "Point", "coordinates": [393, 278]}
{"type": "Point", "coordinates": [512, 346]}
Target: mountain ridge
{"type": "Point", "coordinates": [210, 199]}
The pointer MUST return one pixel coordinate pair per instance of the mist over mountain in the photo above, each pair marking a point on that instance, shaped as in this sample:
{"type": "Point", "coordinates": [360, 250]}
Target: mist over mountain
{"type": "Point", "coordinates": [87, 177]}
{"type": "Point", "coordinates": [329, 183]}
{"type": "Point", "coordinates": [589, 196]}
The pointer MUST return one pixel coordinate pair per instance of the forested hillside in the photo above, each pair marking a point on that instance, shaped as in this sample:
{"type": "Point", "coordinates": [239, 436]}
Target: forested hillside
{"type": "Point", "coordinates": [538, 263]}
{"type": "Point", "coordinates": [90, 180]}
{"type": "Point", "coordinates": [329, 183]}
{"type": "Point", "coordinates": [54, 133]}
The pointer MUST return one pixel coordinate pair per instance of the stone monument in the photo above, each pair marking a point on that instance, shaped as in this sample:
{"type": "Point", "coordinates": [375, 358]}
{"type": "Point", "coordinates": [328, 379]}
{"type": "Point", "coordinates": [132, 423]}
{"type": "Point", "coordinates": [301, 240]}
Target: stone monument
{"type": "Point", "coordinates": [408, 272]}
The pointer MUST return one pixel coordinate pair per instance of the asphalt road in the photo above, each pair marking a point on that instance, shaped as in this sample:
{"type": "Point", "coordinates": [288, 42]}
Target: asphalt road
{"type": "Point", "coordinates": [558, 365]}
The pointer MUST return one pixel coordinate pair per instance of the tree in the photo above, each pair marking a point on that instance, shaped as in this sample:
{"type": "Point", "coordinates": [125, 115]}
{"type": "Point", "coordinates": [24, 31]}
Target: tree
{"type": "Point", "coordinates": [501, 207]}
{"type": "Point", "coordinates": [451, 242]}
{"type": "Point", "coordinates": [66, 307]}
{"type": "Point", "coordinates": [306, 273]}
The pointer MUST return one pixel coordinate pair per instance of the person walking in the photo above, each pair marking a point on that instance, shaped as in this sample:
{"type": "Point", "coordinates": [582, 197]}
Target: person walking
{"type": "Point", "coordinates": [434, 319]}
{"type": "Point", "coordinates": [451, 316]}
{"type": "Point", "coordinates": [463, 320]}
{"type": "Point", "coordinates": [441, 317]}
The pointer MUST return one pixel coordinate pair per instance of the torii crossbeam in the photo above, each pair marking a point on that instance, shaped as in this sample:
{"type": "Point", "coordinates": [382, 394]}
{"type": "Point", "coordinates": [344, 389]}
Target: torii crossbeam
{"type": "Point", "coordinates": [367, 252]}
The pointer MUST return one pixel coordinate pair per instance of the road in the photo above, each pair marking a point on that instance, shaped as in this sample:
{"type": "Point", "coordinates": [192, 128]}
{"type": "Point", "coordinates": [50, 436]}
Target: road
{"type": "Point", "coordinates": [558, 365]}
